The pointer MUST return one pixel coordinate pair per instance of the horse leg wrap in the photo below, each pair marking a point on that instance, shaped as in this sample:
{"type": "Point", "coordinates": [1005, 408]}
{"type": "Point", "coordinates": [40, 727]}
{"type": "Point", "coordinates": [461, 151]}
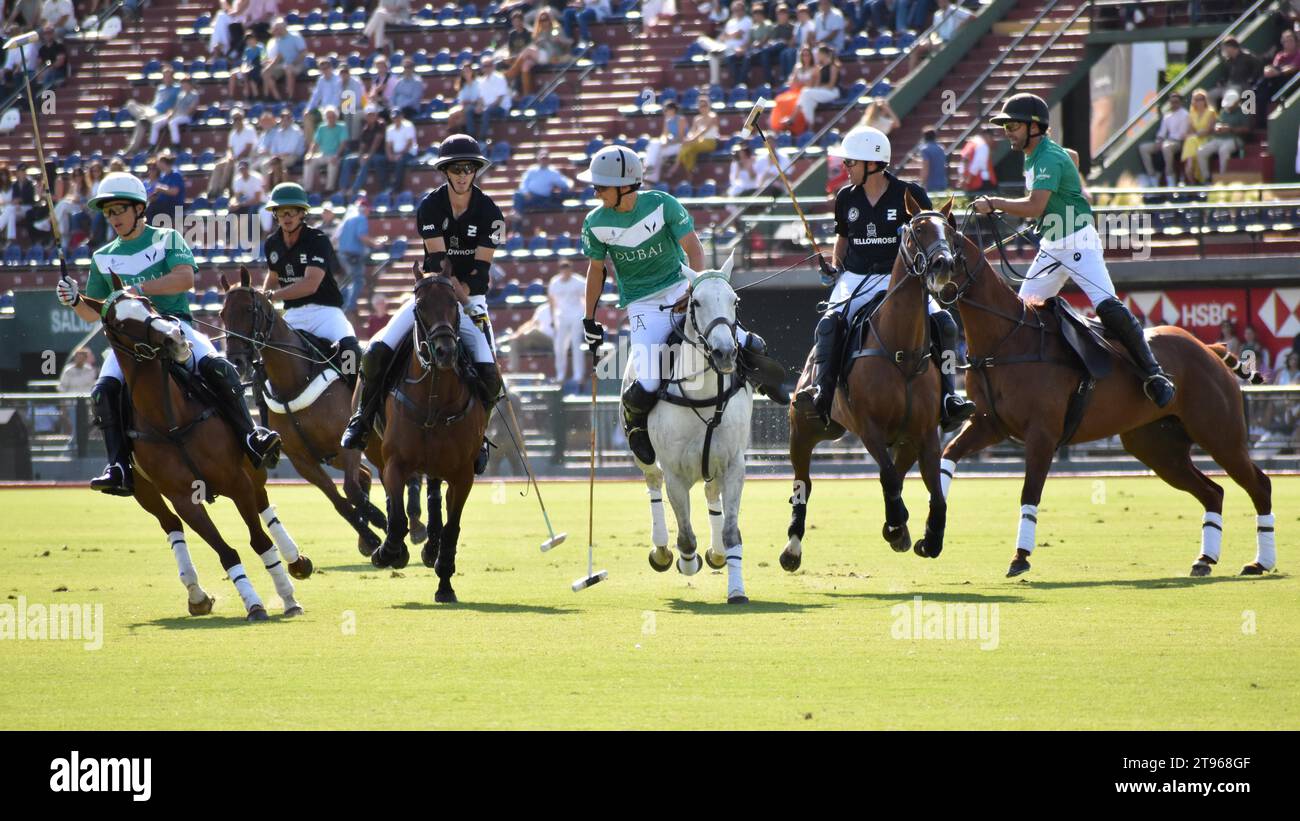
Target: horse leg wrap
{"type": "Point", "coordinates": [947, 470]}
{"type": "Point", "coordinates": [1028, 527]}
{"type": "Point", "coordinates": [798, 516]}
{"type": "Point", "coordinates": [181, 550]}
{"type": "Point", "coordinates": [1211, 535]}
{"type": "Point", "coordinates": [245, 588]}
{"type": "Point", "coordinates": [279, 577]}
{"type": "Point", "coordinates": [279, 535]}
{"type": "Point", "coordinates": [735, 581]}
{"type": "Point", "coordinates": [658, 519]}
{"type": "Point", "coordinates": [1265, 542]}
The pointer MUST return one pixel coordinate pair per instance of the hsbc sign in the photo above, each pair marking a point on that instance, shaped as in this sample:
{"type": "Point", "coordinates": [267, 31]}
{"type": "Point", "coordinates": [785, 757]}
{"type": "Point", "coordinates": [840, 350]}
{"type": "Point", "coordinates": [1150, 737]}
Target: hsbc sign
{"type": "Point", "coordinates": [1199, 310]}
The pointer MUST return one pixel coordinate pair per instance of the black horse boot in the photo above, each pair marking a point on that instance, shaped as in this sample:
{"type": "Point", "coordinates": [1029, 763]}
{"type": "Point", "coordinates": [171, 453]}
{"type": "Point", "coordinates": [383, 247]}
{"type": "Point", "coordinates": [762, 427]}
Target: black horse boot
{"type": "Point", "coordinates": [261, 445]}
{"type": "Point", "coordinates": [816, 399]}
{"type": "Point", "coordinates": [1157, 385]}
{"type": "Point", "coordinates": [490, 384]}
{"type": "Point", "coordinates": [755, 344]}
{"type": "Point", "coordinates": [637, 404]}
{"type": "Point", "coordinates": [116, 480]}
{"type": "Point", "coordinates": [349, 359]}
{"type": "Point", "coordinates": [373, 366]}
{"type": "Point", "coordinates": [953, 409]}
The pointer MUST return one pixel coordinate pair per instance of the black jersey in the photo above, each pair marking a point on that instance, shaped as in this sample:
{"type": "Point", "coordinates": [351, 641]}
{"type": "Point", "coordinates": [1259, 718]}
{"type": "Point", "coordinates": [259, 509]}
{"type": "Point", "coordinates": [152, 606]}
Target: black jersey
{"type": "Point", "coordinates": [313, 249]}
{"type": "Point", "coordinates": [482, 225]}
{"type": "Point", "coordinates": [874, 230]}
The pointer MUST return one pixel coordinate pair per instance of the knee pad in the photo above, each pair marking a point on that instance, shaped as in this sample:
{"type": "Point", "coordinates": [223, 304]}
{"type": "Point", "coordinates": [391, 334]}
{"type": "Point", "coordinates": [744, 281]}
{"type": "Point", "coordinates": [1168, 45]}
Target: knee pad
{"type": "Point", "coordinates": [637, 399]}
{"type": "Point", "coordinates": [945, 330]}
{"type": "Point", "coordinates": [106, 399]}
{"type": "Point", "coordinates": [375, 361]}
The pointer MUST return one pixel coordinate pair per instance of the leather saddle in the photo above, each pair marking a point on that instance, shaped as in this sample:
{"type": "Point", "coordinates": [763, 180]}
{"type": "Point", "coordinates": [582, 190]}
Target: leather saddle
{"type": "Point", "coordinates": [1088, 339]}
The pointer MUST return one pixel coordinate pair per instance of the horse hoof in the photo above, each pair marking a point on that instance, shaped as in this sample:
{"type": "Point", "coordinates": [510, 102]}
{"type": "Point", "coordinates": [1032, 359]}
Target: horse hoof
{"type": "Point", "coordinates": [258, 613]}
{"type": "Point", "coordinates": [368, 544]}
{"type": "Point", "coordinates": [429, 554]}
{"type": "Point", "coordinates": [301, 569]}
{"type": "Point", "coordinates": [790, 561]}
{"type": "Point", "coordinates": [419, 532]}
{"type": "Point", "coordinates": [738, 599]}
{"type": "Point", "coordinates": [925, 550]}
{"type": "Point", "coordinates": [898, 537]}
{"type": "Point", "coordinates": [202, 608]}
{"type": "Point", "coordinates": [1017, 567]}
{"type": "Point", "coordinates": [395, 558]}
{"type": "Point", "coordinates": [715, 560]}
{"type": "Point", "coordinates": [296, 610]}
{"type": "Point", "coordinates": [668, 562]}
{"type": "Point", "coordinates": [1254, 569]}
{"type": "Point", "coordinates": [1201, 569]}
{"type": "Point", "coordinates": [689, 567]}
{"type": "Point", "coordinates": [447, 596]}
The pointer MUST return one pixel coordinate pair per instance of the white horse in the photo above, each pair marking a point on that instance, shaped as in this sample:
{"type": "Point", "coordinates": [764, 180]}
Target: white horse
{"type": "Point", "coordinates": [707, 406]}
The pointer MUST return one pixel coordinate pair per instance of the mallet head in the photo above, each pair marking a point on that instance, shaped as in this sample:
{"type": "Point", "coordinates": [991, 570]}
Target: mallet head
{"type": "Point", "coordinates": [588, 581]}
{"type": "Point", "coordinates": [752, 119]}
{"type": "Point", "coordinates": [554, 541]}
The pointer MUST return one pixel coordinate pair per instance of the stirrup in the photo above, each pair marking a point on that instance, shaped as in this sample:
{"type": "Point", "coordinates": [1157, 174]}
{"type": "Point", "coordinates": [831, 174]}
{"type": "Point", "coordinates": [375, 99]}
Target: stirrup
{"type": "Point", "coordinates": [638, 439]}
{"type": "Point", "coordinates": [1149, 387]}
{"type": "Point", "coordinates": [481, 461]}
{"type": "Point", "coordinates": [951, 420]}
{"type": "Point", "coordinates": [114, 481]}
{"type": "Point", "coordinates": [264, 447]}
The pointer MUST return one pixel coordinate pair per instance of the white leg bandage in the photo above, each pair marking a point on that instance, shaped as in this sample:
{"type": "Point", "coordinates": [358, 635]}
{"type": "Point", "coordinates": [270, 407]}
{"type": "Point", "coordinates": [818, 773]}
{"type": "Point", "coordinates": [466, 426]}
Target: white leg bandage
{"type": "Point", "coordinates": [181, 551]}
{"type": "Point", "coordinates": [715, 530]}
{"type": "Point", "coordinates": [1028, 526]}
{"type": "Point", "coordinates": [735, 582]}
{"type": "Point", "coordinates": [1211, 535]}
{"type": "Point", "coordinates": [279, 535]}
{"type": "Point", "coordinates": [1265, 542]}
{"type": "Point", "coordinates": [244, 586]}
{"type": "Point", "coordinates": [279, 576]}
{"type": "Point", "coordinates": [658, 520]}
{"type": "Point", "coordinates": [947, 470]}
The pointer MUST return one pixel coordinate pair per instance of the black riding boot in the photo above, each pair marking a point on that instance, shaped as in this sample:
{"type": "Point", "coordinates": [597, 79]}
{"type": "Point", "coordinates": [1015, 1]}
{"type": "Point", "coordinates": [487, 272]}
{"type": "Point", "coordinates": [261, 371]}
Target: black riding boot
{"type": "Point", "coordinates": [756, 344]}
{"type": "Point", "coordinates": [637, 404]}
{"type": "Point", "coordinates": [110, 418]}
{"type": "Point", "coordinates": [490, 383]}
{"type": "Point", "coordinates": [261, 445]}
{"type": "Point", "coordinates": [1120, 321]}
{"type": "Point", "coordinates": [349, 361]}
{"type": "Point", "coordinates": [817, 398]}
{"type": "Point", "coordinates": [953, 409]}
{"type": "Point", "coordinates": [373, 366]}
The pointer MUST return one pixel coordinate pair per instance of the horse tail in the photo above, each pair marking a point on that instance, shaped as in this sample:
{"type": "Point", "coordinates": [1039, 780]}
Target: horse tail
{"type": "Point", "coordinates": [1235, 365]}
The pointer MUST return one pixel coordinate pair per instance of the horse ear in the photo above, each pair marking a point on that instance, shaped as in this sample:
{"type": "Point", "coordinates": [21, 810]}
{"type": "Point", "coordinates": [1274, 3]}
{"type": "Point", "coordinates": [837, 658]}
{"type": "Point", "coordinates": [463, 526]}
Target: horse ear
{"type": "Point", "coordinates": [416, 273]}
{"type": "Point", "coordinates": [909, 203]}
{"type": "Point", "coordinates": [96, 305]}
{"type": "Point", "coordinates": [728, 265]}
{"type": "Point", "coordinates": [946, 210]}
{"type": "Point", "coordinates": [117, 281]}
{"type": "Point", "coordinates": [244, 279]}
{"type": "Point", "coordinates": [225, 284]}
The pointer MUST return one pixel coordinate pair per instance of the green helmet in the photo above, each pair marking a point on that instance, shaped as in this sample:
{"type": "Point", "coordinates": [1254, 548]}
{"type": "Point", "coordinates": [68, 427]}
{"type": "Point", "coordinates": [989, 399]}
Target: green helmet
{"type": "Point", "coordinates": [1023, 108]}
{"type": "Point", "coordinates": [288, 195]}
{"type": "Point", "coordinates": [118, 185]}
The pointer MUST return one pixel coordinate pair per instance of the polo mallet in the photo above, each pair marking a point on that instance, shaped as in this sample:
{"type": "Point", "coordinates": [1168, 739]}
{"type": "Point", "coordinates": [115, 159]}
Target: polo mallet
{"type": "Point", "coordinates": [751, 125]}
{"type": "Point", "coordinates": [592, 577]}
{"type": "Point", "coordinates": [555, 539]}
{"type": "Point", "coordinates": [20, 42]}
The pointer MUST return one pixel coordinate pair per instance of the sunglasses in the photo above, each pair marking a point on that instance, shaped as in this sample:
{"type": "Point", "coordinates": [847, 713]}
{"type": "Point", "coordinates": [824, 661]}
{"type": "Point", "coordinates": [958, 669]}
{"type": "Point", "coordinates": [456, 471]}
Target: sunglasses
{"type": "Point", "coordinates": [461, 169]}
{"type": "Point", "coordinates": [1009, 127]}
{"type": "Point", "coordinates": [116, 211]}
{"type": "Point", "coordinates": [851, 163]}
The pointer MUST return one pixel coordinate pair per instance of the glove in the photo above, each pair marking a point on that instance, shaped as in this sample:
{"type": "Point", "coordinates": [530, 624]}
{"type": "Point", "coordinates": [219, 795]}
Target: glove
{"type": "Point", "coordinates": [593, 333]}
{"type": "Point", "coordinates": [828, 274]}
{"type": "Point", "coordinates": [67, 291]}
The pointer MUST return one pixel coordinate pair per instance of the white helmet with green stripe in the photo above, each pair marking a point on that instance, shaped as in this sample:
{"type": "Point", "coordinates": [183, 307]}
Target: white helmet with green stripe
{"type": "Point", "coordinates": [118, 185]}
{"type": "Point", "coordinates": [613, 165]}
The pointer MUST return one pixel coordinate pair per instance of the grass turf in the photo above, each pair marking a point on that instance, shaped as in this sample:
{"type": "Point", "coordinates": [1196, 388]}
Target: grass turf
{"type": "Point", "coordinates": [1106, 631]}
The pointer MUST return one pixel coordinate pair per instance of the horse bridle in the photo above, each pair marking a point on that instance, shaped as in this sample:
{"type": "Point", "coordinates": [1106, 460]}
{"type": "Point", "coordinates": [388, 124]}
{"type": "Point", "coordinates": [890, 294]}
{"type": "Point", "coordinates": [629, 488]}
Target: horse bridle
{"type": "Point", "coordinates": [426, 337]}
{"type": "Point", "coordinates": [140, 350]}
{"type": "Point", "coordinates": [702, 335]}
{"type": "Point", "coordinates": [918, 263]}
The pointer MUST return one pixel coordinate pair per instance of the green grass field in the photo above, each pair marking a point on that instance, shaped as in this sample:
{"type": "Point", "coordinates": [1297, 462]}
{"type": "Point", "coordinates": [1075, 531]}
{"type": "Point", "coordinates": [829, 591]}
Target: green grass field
{"type": "Point", "coordinates": [1107, 630]}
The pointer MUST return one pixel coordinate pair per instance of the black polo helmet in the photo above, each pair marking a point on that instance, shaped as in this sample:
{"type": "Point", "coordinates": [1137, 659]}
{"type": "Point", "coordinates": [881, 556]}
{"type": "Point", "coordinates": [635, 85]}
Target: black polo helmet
{"type": "Point", "coordinates": [460, 148]}
{"type": "Point", "coordinates": [1023, 108]}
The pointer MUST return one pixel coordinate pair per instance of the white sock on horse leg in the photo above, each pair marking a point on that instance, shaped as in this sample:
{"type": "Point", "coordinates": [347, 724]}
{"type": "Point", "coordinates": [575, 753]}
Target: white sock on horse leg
{"type": "Point", "coordinates": [244, 586]}
{"type": "Point", "coordinates": [715, 530]}
{"type": "Point", "coordinates": [279, 535]}
{"type": "Point", "coordinates": [1265, 542]}
{"type": "Point", "coordinates": [189, 576]}
{"type": "Point", "coordinates": [947, 469]}
{"type": "Point", "coordinates": [658, 521]}
{"type": "Point", "coordinates": [735, 580]}
{"type": "Point", "coordinates": [1028, 526]}
{"type": "Point", "coordinates": [279, 576]}
{"type": "Point", "coordinates": [1211, 535]}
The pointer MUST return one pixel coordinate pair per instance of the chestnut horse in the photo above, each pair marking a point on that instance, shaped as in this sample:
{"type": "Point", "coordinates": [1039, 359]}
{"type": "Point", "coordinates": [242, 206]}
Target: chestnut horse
{"type": "Point", "coordinates": [187, 454]}
{"type": "Point", "coordinates": [891, 400]}
{"type": "Point", "coordinates": [313, 419]}
{"type": "Point", "coordinates": [434, 425]}
{"type": "Point", "coordinates": [1023, 375]}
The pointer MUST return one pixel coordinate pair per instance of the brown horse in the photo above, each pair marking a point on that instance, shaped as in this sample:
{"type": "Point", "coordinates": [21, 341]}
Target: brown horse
{"type": "Point", "coordinates": [891, 401]}
{"type": "Point", "coordinates": [434, 424]}
{"type": "Point", "coordinates": [309, 428]}
{"type": "Point", "coordinates": [187, 454]}
{"type": "Point", "coordinates": [1023, 376]}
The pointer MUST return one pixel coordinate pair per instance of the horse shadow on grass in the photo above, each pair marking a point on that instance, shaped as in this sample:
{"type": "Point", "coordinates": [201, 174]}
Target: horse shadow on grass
{"type": "Point", "coordinates": [753, 607]}
{"type": "Point", "coordinates": [1152, 584]}
{"type": "Point", "coordinates": [495, 608]}
{"type": "Point", "coordinates": [201, 622]}
{"type": "Point", "coordinates": [931, 597]}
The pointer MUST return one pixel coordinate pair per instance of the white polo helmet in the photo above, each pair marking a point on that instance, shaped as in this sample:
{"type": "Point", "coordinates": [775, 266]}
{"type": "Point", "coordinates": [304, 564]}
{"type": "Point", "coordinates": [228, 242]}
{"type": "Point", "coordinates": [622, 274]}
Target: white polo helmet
{"type": "Point", "coordinates": [118, 185]}
{"type": "Point", "coordinates": [864, 143]}
{"type": "Point", "coordinates": [613, 165]}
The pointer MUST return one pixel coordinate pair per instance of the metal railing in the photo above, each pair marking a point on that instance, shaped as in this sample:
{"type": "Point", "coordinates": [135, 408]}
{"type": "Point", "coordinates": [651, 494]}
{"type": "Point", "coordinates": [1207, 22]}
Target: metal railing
{"type": "Point", "coordinates": [1204, 16]}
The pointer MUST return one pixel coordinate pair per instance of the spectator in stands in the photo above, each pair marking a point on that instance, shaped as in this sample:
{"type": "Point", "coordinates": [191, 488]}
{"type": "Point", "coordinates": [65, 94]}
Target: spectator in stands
{"type": "Point", "coordinates": [1289, 372]}
{"type": "Point", "coordinates": [400, 150]}
{"type": "Point", "coordinates": [386, 13]}
{"type": "Point", "coordinates": [517, 39]}
{"type": "Point", "coordinates": [748, 172]}
{"type": "Point", "coordinates": [356, 165]}
{"type": "Point", "coordinates": [701, 137]}
{"type": "Point", "coordinates": [259, 17]}
{"type": "Point", "coordinates": [975, 169]}
{"type": "Point", "coordinates": [275, 174]}
{"type": "Point", "coordinates": [379, 315]}
{"type": "Point", "coordinates": [771, 53]}
{"type": "Point", "coordinates": [566, 295]}
{"type": "Point", "coordinates": [326, 152]}
{"type": "Point", "coordinates": [1252, 350]}
{"type": "Point", "coordinates": [23, 14]}
{"type": "Point", "coordinates": [825, 88]}
{"type": "Point", "coordinates": [580, 14]}
{"type": "Point", "coordinates": [549, 45]}
{"type": "Point", "coordinates": [948, 20]}
{"type": "Point", "coordinates": [227, 28]}
{"type": "Point", "coordinates": [266, 126]}
{"type": "Point", "coordinates": [287, 141]}
{"type": "Point", "coordinates": [354, 245]}
{"type": "Point", "coordinates": [286, 56]}
{"type": "Point", "coordinates": [1201, 119]}
{"type": "Point", "coordinates": [9, 205]}
{"type": "Point", "coordinates": [805, 32]}
{"type": "Point", "coordinates": [1230, 134]}
{"type": "Point", "coordinates": [39, 229]}
{"type": "Point", "coordinates": [247, 191]}
{"type": "Point", "coordinates": [541, 186]}
{"type": "Point", "coordinates": [934, 163]}
{"type": "Point", "coordinates": [667, 144]}
{"type": "Point", "coordinates": [829, 28]}
{"type": "Point", "coordinates": [329, 87]}
{"type": "Point", "coordinates": [1242, 70]}
{"type": "Point", "coordinates": [735, 41]}
{"type": "Point", "coordinates": [98, 223]}
{"type": "Point", "coordinates": [1228, 337]}
{"type": "Point", "coordinates": [70, 204]}
{"type": "Point", "coordinates": [241, 143]}
{"type": "Point", "coordinates": [11, 79]}
{"type": "Point", "coordinates": [79, 374]}
{"type": "Point", "coordinates": [248, 74]}
{"type": "Point", "coordinates": [187, 105]}
{"type": "Point", "coordinates": [380, 90]}
{"type": "Point", "coordinates": [60, 15]}
{"type": "Point", "coordinates": [164, 99]}
{"type": "Point", "coordinates": [169, 194]}
{"type": "Point", "coordinates": [466, 99]}
{"type": "Point", "coordinates": [352, 100]}
{"type": "Point", "coordinates": [1285, 64]}
{"type": "Point", "coordinates": [1174, 128]}
{"type": "Point", "coordinates": [534, 337]}
{"type": "Point", "coordinates": [52, 57]}
{"type": "Point", "coordinates": [409, 91]}
{"type": "Point", "coordinates": [493, 100]}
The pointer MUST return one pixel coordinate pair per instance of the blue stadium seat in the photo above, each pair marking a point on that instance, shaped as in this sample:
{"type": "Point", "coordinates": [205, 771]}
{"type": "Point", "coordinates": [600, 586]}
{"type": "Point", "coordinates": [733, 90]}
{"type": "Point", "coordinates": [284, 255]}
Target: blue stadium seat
{"type": "Point", "coordinates": [707, 189]}
{"type": "Point", "coordinates": [151, 67]}
{"type": "Point", "coordinates": [539, 243]}
{"type": "Point", "coordinates": [37, 255]}
{"type": "Point", "coordinates": [382, 202]}
{"type": "Point", "coordinates": [358, 18]}
{"type": "Point", "coordinates": [202, 21]}
{"type": "Point", "coordinates": [338, 200]}
{"type": "Point", "coordinates": [314, 200]}
{"type": "Point", "coordinates": [667, 94]}
{"type": "Point", "coordinates": [600, 56]}
{"type": "Point", "coordinates": [690, 99]}
{"type": "Point", "coordinates": [13, 254]}
{"type": "Point", "coordinates": [513, 243]}
{"type": "Point", "coordinates": [884, 41]}
{"type": "Point", "coordinates": [595, 145]}
{"type": "Point", "coordinates": [881, 89]}
{"type": "Point", "coordinates": [405, 201]}
{"type": "Point", "coordinates": [641, 143]}
{"type": "Point", "coordinates": [467, 11]}
{"type": "Point", "coordinates": [535, 291]}
{"type": "Point", "coordinates": [906, 39]}
{"type": "Point", "coordinates": [739, 95]}
{"type": "Point", "coordinates": [219, 64]}
{"type": "Point", "coordinates": [200, 204]}
{"type": "Point", "coordinates": [500, 152]}
{"type": "Point", "coordinates": [683, 190]}
{"type": "Point", "coordinates": [221, 204]}
{"type": "Point", "coordinates": [124, 117]}
{"type": "Point", "coordinates": [805, 139]}
{"type": "Point", "coordinates": [398, 249]}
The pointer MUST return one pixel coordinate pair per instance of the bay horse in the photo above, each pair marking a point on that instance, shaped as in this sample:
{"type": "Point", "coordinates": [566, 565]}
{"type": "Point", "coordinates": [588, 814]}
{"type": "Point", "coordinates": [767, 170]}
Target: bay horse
{"type": "Point", "coordinates": [434, 425]}
{"type": "Point", "coordinates": [309, 407]}
{"type": "Point", "coordinates": [1023, 376]}
{"type": "Point", "coordinates": [700, 431]}
{"type": "Point", "coordinates": [889, 398]}
{"type": "Point", "coordinates": [185, 454]}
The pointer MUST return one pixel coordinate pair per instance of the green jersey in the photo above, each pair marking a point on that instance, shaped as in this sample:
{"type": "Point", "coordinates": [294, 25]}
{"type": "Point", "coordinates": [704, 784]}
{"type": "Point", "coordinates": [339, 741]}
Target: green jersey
{"type": "Point", "coordinates": [643, 245]}
{"type": "Point", "coordinates": [1049, 168]}
{"type": "Point", "coordinates": [149, 256]}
